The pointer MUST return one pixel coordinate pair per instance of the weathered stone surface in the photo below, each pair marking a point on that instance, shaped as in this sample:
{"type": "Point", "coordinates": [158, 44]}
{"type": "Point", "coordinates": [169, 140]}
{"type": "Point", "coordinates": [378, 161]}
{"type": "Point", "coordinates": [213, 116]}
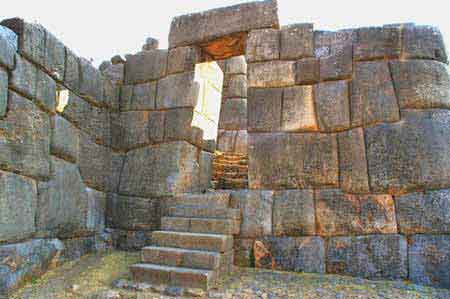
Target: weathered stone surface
{"type": "Point", "coordinates": [353, 175]}
{"type": "Point", "coordinates": [413, 154]}
{"type": "Point", "coordinates": [65, 139]}
{"type": "Point", "coordinates": [31, 38]}
{"type": "Point", "coordinates": [75, 248]}
{"type": "Point", "coordinates": [328, 43]}
{"type": "Point", "coordinates": [429, 260]}
{"type": "Point", "coordinates": [424, 212]}
{"type": "Point", "coordinates": [377, 43]}
{"type": "Point", "coordinates": [34, 83]}
{"type": "Point", "coordinates": [133, 213]}
{"type": "Point", "coordinates": [25, 139]}
{"type": "Point", "coordinates": [7, 47]}
{"type": "Point", "coordinates": [297, 41]}
{"type": "Point", "coordinates": [110, 94]}
{"type": "Point", "coordinates": [117, 59]}
{"type": "Point", "coordinates": [205, 26]}
{"type": "Point", "coordinates": [298, 109]}
{"type": "Point", "coordinates": [178, 125]}
{"type": "Point", "coordinates": [115, 72]}
{"type": "Point", "coordinates": [271, 74]}
{"type": "Point", "coordinates": [236, 65]}
{"type": "Point", "coordinates": [92, 120]}
{"type": "Point", "coordinates": [264, 109]}
{"type": "Point", "coordinates": [332, 104]}
{"type": "Point", "coordinates": [3, 92]}
{"type": "Point", "coordinates": [96, 212]}
{"type": "Point", "coordinates": [138, 97]}
{"type": "Point", "coordinates": [373, 97]}
{"type": "Point", "coordinates": [346, 214]}
{"type": "Point", "coordinates": [99, 166]}
{"type": "Point", "coordinates": [263, 45]}
{"type": "Point", "coordinates": [307, 71]}
{"type": "Point", "coordinates": [24, 260]}
{"type": "Point", "coordinates": [205, 163]}
{"type": "Point", "coordinates": [18, 200]}
{"type": "Point", "coordinates": [90, 81]}
{"type": "Point", "coordinates": [301, 254]}
{"type": "Point", "coordinates": [233, 114]}
{"type": "Point", "coordinates": [288, 160]}
{"type": "Point", "coordinates": [237, 87]}
{"type": "Point", "coordinates": [160, 170]}
{"type": "Point", "coordinates": [243, 252]}
{"type": "Point", "coordinates": [423, 42]}
{"type": "Point", "coordinates": [232, 141]}
{"type": "Point", "coordinates": [55, 56]}
{"type": "Point", "coordinates": [183, 59]}
{"type": "Point", "coordinates": [150, 44]}
{"type": "Point", "coordinates": [146, 66]}
{"type": "Point", "coordinates": [63, 203]}
{"type": "Point", "coordinates": [293, 213]}
{"type": "Point", "coordinates": [130, 129]}
{"type": "Point", "coordinates": [256, 210]}
{"type": "Point", "coordinates": [375, 256]}
{"type": "Point", "coordinates": [131, 240]}
{"type": "Point", "coordinates": [421, 84]}
{"type": "Point", "coordinates": [177, 90]}
{"type": "Point", "coordinates": [337, 65]}
{"type": "Point", "coordinates": [72, 71]}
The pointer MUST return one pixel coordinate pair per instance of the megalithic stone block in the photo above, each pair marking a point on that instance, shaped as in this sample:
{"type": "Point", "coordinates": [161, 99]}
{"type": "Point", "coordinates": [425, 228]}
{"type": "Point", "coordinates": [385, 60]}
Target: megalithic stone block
{"type": "Point", "coordinates": [424, 42]}
{"type": "Point", "coordinates": [297, 41]}
{"type": "Point", "coordinates": [8, 47]}
{"type": "Point", "coordinates": [145, 66]}
{"type": "Point", "coordinates": [263, 45]}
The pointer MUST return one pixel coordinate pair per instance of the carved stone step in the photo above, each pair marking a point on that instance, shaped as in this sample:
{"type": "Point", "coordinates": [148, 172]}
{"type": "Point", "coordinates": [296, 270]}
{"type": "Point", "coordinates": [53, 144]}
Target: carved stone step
{"type": "Point", "coordinates": [195, 241]}
{"type": "Point", "coordinates": [178, 257]}
{"type": "Point", "coordinates": [201, 225]}
{"type": "Point", "coordinates": [191, 211]}
{"type": "Point", "coordinates": [173, 276]}
{"type": "Point", "coordinates": [216, 199]}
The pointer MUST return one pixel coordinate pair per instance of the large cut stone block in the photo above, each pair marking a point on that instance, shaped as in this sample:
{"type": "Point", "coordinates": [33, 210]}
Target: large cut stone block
{"type": "Point", "coordinates": [25, 138]}
{"type": "Point", "coordinates": [236, 65]}
{"type": "Point", "coordinates": [423, 42]}
{"type": "Point", "coordinates": [130, 129]}
{"type": "Point", "coordinates": [373, 97]}
{"type": "Point", "coordinates": [72, 71]}
{"type": "Point", "coordinates": [256, 209]}
{"type": "Point", "coordinates": [328, 43]}
{"type": "Point", "coordinates": [347, 214]}
{"type": "Point", "coordinates": [307, 71]}
{"type": "Point", "coordinates": [205, 26]}
{"type": "Point", "coordinates": [233, 114]}
{"type": "Point", "coordinates": [298, 113]}
{"type": "Point", "coordinates": [264, 109]}
{"type": "Point", "coordinates": [427, 212]}
{"type": "Point", "coordinates": [114, 72]}
{"type": "Point", "coordinates": [3, 92]}
{"type": "Point", "coordinates": [263, 45]}
{"type": "Point", "coordinates": [63, 203]}
{"type": "Point", "coordinates": [375, 256]}
{"type": "Point", "coordinates": [377, 43]}
{"type": "Point", "coordinates": [90, 82]}
{"type": "Point", "coordinates": [160, 170]}
{"type": "Point", "coordinates": [301, 254]}
{"type": "Point", "coordinates": [332, 104]}
{"type": "Point", "coordinates": [131, 240]}
{"type": "Point", "coordinates": [133, 213]}
{"type": "Point", "coordinates": [8, 47]}
{"type": "Point", "coordinates": [421, 84]}
{"type": "Point", "coordinates": [96, 212]}
{"type": "Point", "coordinates": [338, 64]}
{"type": "Point", "coordinates": [293, 213]}
{"type": "Point", "coordinates": [289, 160]}
{"type": "Point", "coordinates": [413, 154]}
{"type": "Point", "coordinates": [237, 87]}
{"type": "Point", "coordinates": [18, 200]}
{"type": "Point", "coordinates": [110, 94]}
{"type": "Point", "coordinates": [183, 59]}
{"type": "Point", "coordinates": [146, 66]}
{"type": "Point", "coordinates": [232, 141]}
{"type": "Point", "coordinates": [271, 74]}
{"type": "Point", "coordinates": [429, 260]}
{"type": "Point", "coordinates": [99, 166]}
{"type": "Point", "coordinates": [206, 170]}
{"type": "Point", "coordinates": [28, 259]}
{"type": "Point", "coordinates": [354, 177]}
{"type": "Point", "coordinates": [177, 90]}
{"type": "Point", "coordinates": [178, 125]}
{"type": "Point", "coordinates": [297, 41]}
{"type": "Point", "coordinates": [65, 141]}
{"type": "Point", "coordinates": [138, 97]}
{"type": "Point", "coordinates": [243, 249]}
{"type": "Point", "coordinates": [55, 56]}
{"type": "Point", "coordinates": [93, 120]}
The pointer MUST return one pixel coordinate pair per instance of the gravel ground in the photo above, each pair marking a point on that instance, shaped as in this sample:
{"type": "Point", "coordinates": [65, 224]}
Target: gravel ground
{"type": "Point", "coordinates": [93, 275]}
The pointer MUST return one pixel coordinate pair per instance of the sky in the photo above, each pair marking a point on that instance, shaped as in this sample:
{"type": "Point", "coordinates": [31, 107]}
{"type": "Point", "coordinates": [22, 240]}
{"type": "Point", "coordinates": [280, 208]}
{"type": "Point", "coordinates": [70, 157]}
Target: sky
{"type": "Point", "coordinates": [100, 29]}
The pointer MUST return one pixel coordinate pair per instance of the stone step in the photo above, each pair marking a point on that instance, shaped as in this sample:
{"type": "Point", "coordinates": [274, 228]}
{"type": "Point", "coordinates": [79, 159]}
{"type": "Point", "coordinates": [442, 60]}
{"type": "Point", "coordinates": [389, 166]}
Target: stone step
{"type": "Point", "coordinates": [230, 175]}
{"type": "Point", "coordinates": [213, 199]}
{"type": "Point", "coordinates": [178, 257]}
{"type": "Point", "coordinates": [173, 276]}
{"type": "Point", "coordinates": [201, 225]}
{"type": "Point", "coordinates": [218, 162]}
{"type": "Point", "coordinates": [231, 184]}
{"type": "Point", "coordinates": [201, 211]}
{"type": "Point", "coordinates": [195, 241]}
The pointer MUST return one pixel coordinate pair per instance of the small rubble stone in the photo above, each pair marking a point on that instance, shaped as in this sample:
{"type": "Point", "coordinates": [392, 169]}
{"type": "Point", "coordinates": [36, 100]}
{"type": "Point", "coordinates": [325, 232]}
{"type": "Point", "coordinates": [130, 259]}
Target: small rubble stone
{"type": "Point", "coordinates": [263, 45]}
{"type": "Point", "coordinates": [297, 41]}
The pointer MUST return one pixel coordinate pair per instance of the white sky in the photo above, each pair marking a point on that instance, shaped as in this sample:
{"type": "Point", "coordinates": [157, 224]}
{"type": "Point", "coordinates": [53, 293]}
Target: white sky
{"type": "Point", "coordinates": [99, 29]}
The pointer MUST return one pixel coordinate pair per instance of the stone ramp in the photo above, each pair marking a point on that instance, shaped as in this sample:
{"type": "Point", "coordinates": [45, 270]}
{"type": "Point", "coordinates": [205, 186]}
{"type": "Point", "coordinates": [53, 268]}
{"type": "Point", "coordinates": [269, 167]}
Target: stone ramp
{"type": "Point", "coordinates": [195, 244]}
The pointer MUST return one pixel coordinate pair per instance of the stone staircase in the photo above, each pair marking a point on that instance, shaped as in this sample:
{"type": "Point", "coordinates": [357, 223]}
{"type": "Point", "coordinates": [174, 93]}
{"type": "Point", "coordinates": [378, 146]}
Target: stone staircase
{"type": "Point", "coordinates": [195, 244]}
{"type": "Point", "coordinates": [230, 171]}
